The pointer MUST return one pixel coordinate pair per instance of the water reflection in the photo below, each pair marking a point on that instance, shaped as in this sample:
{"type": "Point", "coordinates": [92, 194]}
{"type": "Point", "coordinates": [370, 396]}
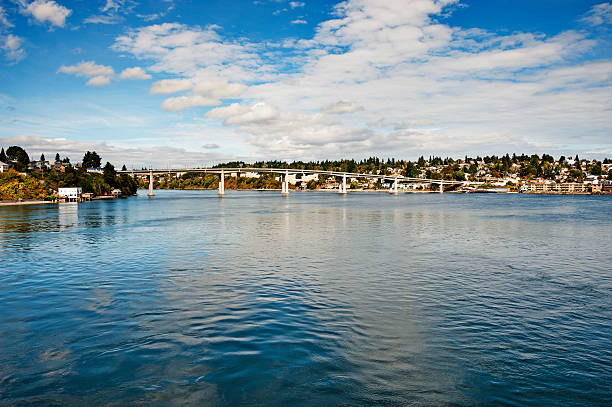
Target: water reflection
{"type": "Point", "coordinates": [316, 299]}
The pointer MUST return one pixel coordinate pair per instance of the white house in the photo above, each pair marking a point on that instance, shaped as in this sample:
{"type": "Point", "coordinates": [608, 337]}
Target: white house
{"type": "Point", "coordinates": [4, 167]}
{"type": "Point", "coordinates": [72, 193]}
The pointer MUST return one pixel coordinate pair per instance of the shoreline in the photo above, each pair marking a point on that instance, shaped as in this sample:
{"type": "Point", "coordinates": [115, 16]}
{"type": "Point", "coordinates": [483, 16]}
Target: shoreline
{"type": "Point", "coordinates": [24, 202]}
{"type": "Point", "coordinates": [387, 191]}
{"type": "Point", "coordinates": [39, 202]}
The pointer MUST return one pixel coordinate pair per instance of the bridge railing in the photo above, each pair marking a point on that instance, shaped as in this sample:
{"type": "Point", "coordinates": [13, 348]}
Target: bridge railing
{"type": "Point", "coordinates": [289, 171]}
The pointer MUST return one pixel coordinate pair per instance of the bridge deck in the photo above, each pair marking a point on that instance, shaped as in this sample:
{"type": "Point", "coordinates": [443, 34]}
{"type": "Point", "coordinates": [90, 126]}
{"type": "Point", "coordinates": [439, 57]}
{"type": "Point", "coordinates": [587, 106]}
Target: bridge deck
{"type": "Point", "coordinates": [287, 171]}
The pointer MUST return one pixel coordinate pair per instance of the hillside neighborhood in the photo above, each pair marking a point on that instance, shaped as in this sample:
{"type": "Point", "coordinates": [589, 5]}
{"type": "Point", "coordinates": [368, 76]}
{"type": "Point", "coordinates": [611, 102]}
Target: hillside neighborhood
{"type": "Point", "coordinates": [24, 178]}
{"type": "Point", "coordinates": [524, 174]}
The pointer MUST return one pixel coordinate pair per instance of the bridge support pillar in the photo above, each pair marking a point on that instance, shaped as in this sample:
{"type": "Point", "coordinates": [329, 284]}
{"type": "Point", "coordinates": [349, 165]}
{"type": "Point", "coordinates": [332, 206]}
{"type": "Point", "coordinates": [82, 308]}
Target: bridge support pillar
{"type": "Point", "coordinates": [342, 186]}
{"type": "Point", "coordinates": [285, 184]}
{"type": "Point", "coordinates": [441, 187]}
{"type": "Point", "coordinates": [151, 184]}
{"type": "Point", "coordinates": [393, 189]}
{"type": "Point", "coordinates": [221, 191]}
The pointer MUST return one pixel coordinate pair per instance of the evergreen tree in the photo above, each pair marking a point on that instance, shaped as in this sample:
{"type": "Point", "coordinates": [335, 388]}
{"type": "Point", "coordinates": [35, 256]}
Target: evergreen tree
{"type": "Point", "coordinates": [57, 157]}
{"type": "Point", "coordinates": [109, 174]}
{"type": "Point", "coordinates": [3, 156]}
{"type": "Point", "coordinates": [91, 160]}
{"type": "Point", "coordinates": [124, 168]}
{"type": "Point", "coordinates": [42, 157]}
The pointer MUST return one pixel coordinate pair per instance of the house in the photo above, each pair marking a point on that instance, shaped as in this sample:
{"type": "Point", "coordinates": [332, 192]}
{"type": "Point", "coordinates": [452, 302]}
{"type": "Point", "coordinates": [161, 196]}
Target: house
{"type": "Point", "coordinates": [116, 192]}
{"type": "Point", "coordinates": [60, 165]}
{"type": "Point", "coordinates": [39, 165]}
{"type": "Point", "coordinates": [551, 187]}
{"type": "Point", "coordinates": [4, 167]}
{"type": "Point", "coordinates": [70, 194]}
{"type": "Point", "coordinates": [95, 170]}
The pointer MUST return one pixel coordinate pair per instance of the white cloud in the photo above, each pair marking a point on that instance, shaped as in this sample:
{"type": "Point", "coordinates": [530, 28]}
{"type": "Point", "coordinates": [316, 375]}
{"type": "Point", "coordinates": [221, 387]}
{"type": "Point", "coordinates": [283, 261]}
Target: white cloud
{"type": "Point", "coordinates": [134, 73]}
{"type": "Point", "coordinates": [299, 21]}
{"type": "Point", "coordinates": [180, 103]}
{"type": "Point", "coordinates": [189, 51]}
{"type": "Point", "coordinates": [112, 12]}
{"type": "Point", "coordinates": [211, 146]}
{"type": "Point", "coordinates": [236, 114]}
{"type": "Point", "coordinates": [3, 19]}
{"type": "Point", "coordinates": [219, 90]}
{"type": "Point", "coordinates": [134, 157]}
{"type": "Point", "coordinates": [113, 5]}
{"type": "Point", "coordinates": [290, 134]}
{"type": "Point", "coordinates": [103, 19]}
{"type": "Point", "coordinates": [87, 68]}
{"type": "Point", "coordinates": [98, 81]}
{"type": "Point", "coordinates": [167, 86]}
{"type": "Point", "coordinates": [422, 86]}
{"type": "Point", "coordinates": [296, 4]}
{"type": "Point", "coordinates": [12, 46]}
{"type": "Point", "coordinates": [99, 75]}
{"type": "Point", "coordinates": [342, 107]}
{"type": "Point", "coordinates": [599, 14]}
{"type": "Point", "coordinates": [48, 11]}
{"type": "Point", "coordinates": [205, 93]}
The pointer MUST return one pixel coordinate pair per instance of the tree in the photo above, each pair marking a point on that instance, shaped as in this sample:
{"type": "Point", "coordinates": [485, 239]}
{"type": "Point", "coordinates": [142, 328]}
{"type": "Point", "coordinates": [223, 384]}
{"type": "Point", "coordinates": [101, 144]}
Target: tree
{"type": "Point", "coordinates": [3, 156]}
{"type": "Point", "coordinates": [596, 169]}
{"type": "Point", "coordinates": [19, 156]}
{"type": "Point", "coordinates": [91, 160]}
{"type": "Point", "coordinates": [411, 171]}
{"type": "Point", "coordinates": [42, 157]}
{"type": "Point", "coordinates": [124, 168]}
{"type": "Point", "coordinates": [57, 157]}
{"type": "Point", "coordinates": [109, 174]}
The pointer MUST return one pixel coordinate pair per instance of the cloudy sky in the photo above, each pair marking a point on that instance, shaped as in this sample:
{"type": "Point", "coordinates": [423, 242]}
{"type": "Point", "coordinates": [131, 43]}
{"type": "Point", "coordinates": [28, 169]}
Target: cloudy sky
{"type": "Point", "coordinates": [186, 82]}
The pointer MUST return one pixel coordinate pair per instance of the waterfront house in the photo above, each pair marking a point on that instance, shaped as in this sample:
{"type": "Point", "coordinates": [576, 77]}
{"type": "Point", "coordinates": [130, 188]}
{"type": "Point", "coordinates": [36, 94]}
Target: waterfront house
{"type": "Point", "coordinates": [70, 194]}
{"type": "Point", "coordinates": [116, 192]}
{"type": "Point", "coordinates": [4, 167]}
{"type": "Point", "coordinates": [563, 188]}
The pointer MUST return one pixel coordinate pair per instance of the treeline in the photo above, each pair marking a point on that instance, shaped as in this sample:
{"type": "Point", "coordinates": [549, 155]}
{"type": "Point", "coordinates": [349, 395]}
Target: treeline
{"type": "Point", "coordinates": [209, 181]}
{"type": "Point", "coordinates": [527, 166]}
{"type": "Point", "coordinates": [23, 181]}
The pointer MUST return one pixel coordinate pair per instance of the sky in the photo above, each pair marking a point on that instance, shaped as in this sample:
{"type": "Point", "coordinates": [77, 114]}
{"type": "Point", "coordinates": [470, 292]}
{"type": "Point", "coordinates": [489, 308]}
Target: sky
{"type": "Point", "coordinates": [182, 83]}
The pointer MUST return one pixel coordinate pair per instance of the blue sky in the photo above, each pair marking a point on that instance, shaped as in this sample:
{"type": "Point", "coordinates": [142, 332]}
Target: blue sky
{"type": "Point", "coordinates": [182, 82]}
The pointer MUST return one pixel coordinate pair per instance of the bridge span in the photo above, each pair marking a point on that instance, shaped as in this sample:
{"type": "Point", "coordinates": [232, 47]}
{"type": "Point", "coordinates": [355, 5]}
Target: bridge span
{"type": "Point", "coordinates": [284, 175]}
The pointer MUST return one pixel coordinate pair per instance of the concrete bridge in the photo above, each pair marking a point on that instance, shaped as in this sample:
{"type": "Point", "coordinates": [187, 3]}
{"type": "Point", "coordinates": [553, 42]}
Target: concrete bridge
{"type": "Point", "coordinates": [284, 173]}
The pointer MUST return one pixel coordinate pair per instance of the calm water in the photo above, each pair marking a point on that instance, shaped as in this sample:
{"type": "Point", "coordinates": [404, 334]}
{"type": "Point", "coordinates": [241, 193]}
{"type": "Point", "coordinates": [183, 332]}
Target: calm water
{"type": "Point", "coordinates": [311, 300]}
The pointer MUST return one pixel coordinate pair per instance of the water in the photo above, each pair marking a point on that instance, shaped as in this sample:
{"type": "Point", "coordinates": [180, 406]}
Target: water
{"type": "Point", "coordinates": [312, 300]}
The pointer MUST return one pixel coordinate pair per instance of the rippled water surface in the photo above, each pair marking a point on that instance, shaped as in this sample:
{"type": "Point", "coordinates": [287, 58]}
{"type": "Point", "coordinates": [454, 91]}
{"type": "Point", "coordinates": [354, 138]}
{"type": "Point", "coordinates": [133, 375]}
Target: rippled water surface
{"type": "Point", "coordinates": [311, 300]}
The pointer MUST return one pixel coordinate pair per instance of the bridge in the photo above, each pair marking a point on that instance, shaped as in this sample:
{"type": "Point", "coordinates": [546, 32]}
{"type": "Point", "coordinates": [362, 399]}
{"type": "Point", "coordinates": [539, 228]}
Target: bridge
{"type": "Point", "coordinates": [284, 173]}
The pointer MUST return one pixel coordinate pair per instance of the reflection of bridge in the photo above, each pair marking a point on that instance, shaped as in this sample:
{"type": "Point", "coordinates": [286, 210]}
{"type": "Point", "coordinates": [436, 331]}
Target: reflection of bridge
{"type": "Point", "coordinates": [284, 174]}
